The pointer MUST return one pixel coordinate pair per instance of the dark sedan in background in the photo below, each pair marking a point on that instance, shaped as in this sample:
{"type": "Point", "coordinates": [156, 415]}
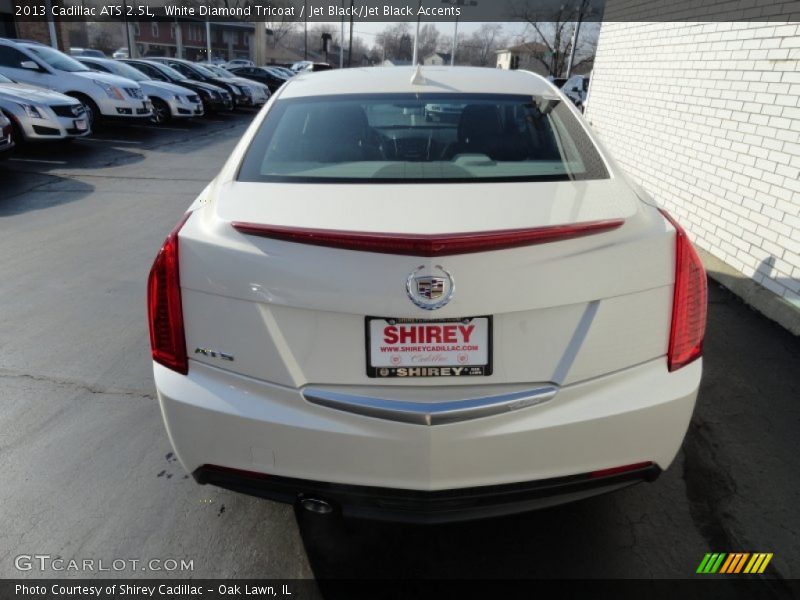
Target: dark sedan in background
{"type": "Point", "coordinates": [262, 75]}
{"type": "Point", "coordinates": [214, 97]}
{"type": "Point", "coordinates": [256, 98]}
{"type": "Point", "coordinates": [242, 94]}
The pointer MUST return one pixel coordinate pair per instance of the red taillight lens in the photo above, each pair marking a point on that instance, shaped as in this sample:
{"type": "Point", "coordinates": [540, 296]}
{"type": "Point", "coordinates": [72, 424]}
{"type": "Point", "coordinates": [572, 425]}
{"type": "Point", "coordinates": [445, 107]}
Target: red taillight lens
{"type": "Point", "coordinates": [164, 310]}
{"type": "Point", "coordinates": [619, 470]}
{"type": "Point", "coordinates": [445, 244]}
{"type": "Point", "coordinates": [690, 303]}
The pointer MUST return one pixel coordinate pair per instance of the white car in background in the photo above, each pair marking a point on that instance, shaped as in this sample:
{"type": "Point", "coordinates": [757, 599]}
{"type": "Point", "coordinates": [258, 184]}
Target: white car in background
{"type": "Point", "coordinates": [373, 314]}
{"type": "Point", "coordinates": [577, 89]}
{"type": "Point", "coordinates": [238, 62]}
{"type": "Point", "coordinates": [41, 115]}
{"type": "Point", "coordinates": [170, 101]}
{"type": "Point", "coordinates": [104, 96]}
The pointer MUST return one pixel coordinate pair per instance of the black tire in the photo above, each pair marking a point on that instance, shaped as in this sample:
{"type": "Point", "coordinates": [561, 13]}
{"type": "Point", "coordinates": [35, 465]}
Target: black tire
{"type": "Point", "coordinates": [93, 114]}
{"type": "Point", "coordinates": [161, 112]}
{"type": "Point", "coordinates": [16, 132]}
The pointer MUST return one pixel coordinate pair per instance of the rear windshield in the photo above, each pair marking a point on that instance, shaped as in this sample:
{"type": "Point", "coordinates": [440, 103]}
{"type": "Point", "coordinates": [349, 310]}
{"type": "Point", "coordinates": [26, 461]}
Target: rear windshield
{"type": "Point", "coordinates": [427, 138]}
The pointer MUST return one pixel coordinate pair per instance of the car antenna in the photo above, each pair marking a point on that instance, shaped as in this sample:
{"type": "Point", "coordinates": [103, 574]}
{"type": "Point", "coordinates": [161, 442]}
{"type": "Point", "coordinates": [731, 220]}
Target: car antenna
{"type": "Point", "coordinates": [418, 78]}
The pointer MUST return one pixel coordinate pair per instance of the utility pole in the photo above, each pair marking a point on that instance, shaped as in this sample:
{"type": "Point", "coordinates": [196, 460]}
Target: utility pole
{"type": "Point", "coordinates": [341, 41]}
{"type": "Point", "coordinates": [455, 45]}
{"type": "Point", "coordinates": [350, 48]}
{"type": "Point", "coordinates": [305, 29]}
{"type": "Point", "coordinates": [208, 39]}
{"type": "Point", "coordinates": [414, 60]}
{"type": "Point", "coordinates": [260, 42]}
{"type": "Point", "coordinates": [574, 42]}
{"type": "Point", "coordinates": [455, 33]}
{"type": "Point", "coordinates": [178, 38]}
{"type": "Point", "coordinates": [51, 26]}
{"type": "Point", "coordinates": [131, 53]}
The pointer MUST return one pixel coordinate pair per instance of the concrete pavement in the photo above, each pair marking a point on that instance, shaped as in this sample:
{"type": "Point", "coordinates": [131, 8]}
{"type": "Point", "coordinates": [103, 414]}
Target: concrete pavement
{"type": "Point", "coordinates": [87, 470]}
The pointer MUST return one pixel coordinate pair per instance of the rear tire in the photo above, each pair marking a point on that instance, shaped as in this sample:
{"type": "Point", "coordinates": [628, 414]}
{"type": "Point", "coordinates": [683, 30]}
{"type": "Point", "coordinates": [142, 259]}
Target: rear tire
{"type": "Point", "coordinates": [161, 112]}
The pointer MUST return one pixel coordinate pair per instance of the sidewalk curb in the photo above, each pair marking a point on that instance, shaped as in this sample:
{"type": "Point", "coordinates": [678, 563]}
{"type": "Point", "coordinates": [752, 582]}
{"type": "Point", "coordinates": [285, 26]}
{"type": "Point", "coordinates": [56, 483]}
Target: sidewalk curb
{"type": "Point", "coordinates": [754, 295]}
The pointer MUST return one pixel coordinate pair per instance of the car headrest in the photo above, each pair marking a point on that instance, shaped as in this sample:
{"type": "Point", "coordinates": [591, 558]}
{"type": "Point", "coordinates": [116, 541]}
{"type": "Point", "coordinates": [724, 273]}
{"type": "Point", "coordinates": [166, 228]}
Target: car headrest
{"type": "Point", "coordinates": [479, 121]}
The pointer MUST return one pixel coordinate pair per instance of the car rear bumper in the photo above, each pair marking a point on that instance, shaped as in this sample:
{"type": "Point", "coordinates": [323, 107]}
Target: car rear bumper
{"type": "Point", "coordinates": [638, 415]}
{"type": "Point", "coordinates": [419, 507]}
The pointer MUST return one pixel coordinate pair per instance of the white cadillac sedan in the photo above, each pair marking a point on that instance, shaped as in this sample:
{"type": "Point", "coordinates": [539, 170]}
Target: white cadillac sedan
{"type": "Point", "coordinates": [375, 314]}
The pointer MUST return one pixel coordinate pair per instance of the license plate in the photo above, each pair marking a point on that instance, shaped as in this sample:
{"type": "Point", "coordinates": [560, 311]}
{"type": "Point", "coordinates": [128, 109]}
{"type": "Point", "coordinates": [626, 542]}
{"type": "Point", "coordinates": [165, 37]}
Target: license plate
{"type": "Point", "coordinates": [80, 125]}
{"type": "Point", "coordinates": [429, 348]}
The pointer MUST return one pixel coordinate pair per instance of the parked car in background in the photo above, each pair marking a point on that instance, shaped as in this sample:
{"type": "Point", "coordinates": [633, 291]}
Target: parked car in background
{"type": "Point", "coordinates": [213, 97]}
{"type": "Point", "coordinates": [104, 96]}
{"type": "Point", "coordinates": [239, 62]}
{"type": "Point", "coordinates": [261, 91]}
{"type": "Point", "coordinates": [373, 315]}
{"type": "Point", "coordinates": [285, 70]}
{"type": "Point", "coordinates": [87, 52]}
{"type": "Point", "coordinates": [261, 75]}
{"type": "Point", "coordinates": [170, 101]}
{"type": "Point", "coordinates": [307, 65]}
{"type": "Point", "coordinates": [121, 53]}
{"type": "Point", "coordinates": [37, 114]}
{"type": "Point", "coordinates": [6, 137]}
{"type": "Point", "coordinates": [576, 89]}
{"type": "Point", "coordinates": [557, 81]}
{"type": "Point", "coordinates": [242, 95]}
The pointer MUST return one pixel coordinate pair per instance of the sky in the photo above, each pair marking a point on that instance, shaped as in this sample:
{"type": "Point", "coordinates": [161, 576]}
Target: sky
{"type": "Point", "coordinates": [516, 32]}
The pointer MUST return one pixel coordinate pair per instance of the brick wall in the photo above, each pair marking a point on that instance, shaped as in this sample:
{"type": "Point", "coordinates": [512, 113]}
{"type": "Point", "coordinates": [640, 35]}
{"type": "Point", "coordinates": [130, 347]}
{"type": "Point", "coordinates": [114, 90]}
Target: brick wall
{"type": "Point", "coordinates": [39, 31]}
{"type": "Point", "coordinates": [706, 116]}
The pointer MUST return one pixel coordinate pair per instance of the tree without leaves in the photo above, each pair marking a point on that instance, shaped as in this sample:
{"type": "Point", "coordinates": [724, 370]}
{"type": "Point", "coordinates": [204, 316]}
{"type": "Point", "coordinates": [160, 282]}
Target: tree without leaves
{"type": "Point", "coordinates": [428, 40]}
{"type": "Point", "coordinates": [395, 42]}
{"type": "Point", "coordinates": [553, 30]}
{"type": "Point", "coordinates": [480, 48]}
{"type": "Point", "coordinates": [281, 27]}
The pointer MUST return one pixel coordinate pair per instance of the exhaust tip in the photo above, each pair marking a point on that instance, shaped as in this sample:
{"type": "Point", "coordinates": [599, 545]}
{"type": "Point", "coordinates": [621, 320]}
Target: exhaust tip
{"type": "Point", "coordinates": [316, 506]}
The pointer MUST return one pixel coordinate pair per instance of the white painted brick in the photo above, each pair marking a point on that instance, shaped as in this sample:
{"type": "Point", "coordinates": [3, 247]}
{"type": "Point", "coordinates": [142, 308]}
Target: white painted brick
{"type": "Point", "coordinates": [706, 117]}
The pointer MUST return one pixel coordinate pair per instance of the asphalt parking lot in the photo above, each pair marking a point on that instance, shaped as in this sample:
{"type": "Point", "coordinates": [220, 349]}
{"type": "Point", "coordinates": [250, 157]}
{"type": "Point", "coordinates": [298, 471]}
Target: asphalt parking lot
{"type": "Point", "coordinates": [88, 471]}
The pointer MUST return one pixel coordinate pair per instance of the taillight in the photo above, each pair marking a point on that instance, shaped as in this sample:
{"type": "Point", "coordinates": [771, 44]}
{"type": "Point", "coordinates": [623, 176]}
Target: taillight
{"type": "Point", "coordinates": [164, 311]}
{"type": "Point", "coordinates": [689, 304]}
{"type": "Point", "coordinates": [619, 470]}
{"type": "Point", "coordinates": [445, 244]}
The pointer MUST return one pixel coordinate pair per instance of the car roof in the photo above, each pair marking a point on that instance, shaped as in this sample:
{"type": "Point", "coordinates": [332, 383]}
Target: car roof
{"type": "Point", "coordinates": [21, 41]}
{"type": "Point", "coordinates": [370, 80]}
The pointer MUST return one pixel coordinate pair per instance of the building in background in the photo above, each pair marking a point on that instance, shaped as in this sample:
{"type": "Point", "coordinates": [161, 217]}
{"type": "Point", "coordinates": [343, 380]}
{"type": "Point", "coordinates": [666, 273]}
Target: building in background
{"type": "Point", "coordinates": [437, 59]}
{"type": "Point", "coordinates": [7, 28]}
{"type": "Point", "coordinates": [527, 57]}
{"type": "Point", "coordinates": [56, 33]}
{"type": "Point", "coordinates": [706, 117]}
{"type": "Point", "coordinates": [162, 38]}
